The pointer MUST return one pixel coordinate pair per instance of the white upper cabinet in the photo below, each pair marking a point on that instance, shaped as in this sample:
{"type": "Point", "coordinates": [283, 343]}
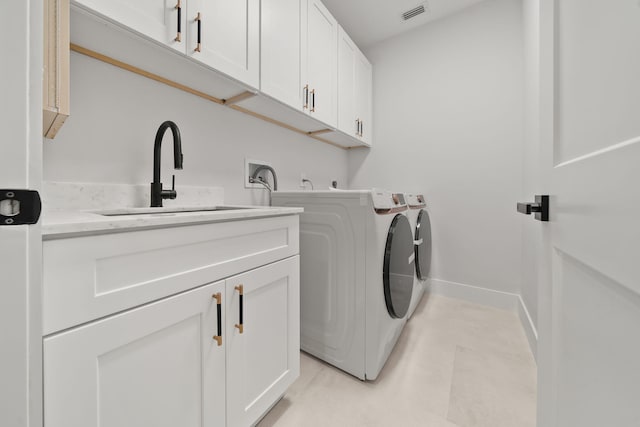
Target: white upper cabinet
{"type": "Point", "coordinates": [281, 41]}
{"type": "Point", "coordinates": [319, 63]}
{"type": "Point", "coordinates": [354, 90]}
{"type": "Point", "coordinates": [224, 34]}
{"type": "Point", "coordinates": [348, 120]}
{"type": "Point", "coordinates": [364, 96]}
{"type": "Point", "coordinates": [161, 20]}
{"type": "Point", "coordinates": [287, 49]}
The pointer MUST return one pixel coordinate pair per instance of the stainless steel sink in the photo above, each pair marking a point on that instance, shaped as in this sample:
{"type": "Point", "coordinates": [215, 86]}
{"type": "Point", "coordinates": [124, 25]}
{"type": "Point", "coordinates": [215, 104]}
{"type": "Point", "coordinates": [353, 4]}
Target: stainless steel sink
{"type": "Point", "coordinates": [166, 210]}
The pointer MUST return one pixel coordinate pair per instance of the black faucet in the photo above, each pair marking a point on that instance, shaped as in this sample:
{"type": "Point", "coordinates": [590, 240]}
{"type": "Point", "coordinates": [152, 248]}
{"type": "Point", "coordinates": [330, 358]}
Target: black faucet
{"type": "Point", "coordinates": [157, 193]}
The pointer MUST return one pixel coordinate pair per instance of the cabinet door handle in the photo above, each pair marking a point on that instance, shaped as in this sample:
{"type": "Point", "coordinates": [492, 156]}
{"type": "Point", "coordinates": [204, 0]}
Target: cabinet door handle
{"type": "Point", "coordinates": [240, 326]}
{"type": "Point", "coordinates": [361, 127]}
{"type": "Point", "coordinates": [313, 100]}
{"type": "Point", "coordinates": [199, 21]}
{"type": "Point", "coordinates": [357, 127]}
{"type": "Point", "coordinates": [306, 97]}
{"type": "Point", "coordinates": [179, 35]}
{"type": "Point", "coordinates": [218, 337]}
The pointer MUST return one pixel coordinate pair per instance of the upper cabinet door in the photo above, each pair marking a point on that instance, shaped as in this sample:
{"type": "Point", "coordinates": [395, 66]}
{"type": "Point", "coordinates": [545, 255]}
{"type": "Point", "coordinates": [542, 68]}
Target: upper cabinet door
{"type": "Point", "coordinates": [225, 35]}
{"type": "Point", "coordinates": [322, 57]}
{"type": "Point", "coordinates": [348, 120]}
{"type": "Point", "coordinates": [281, 37]}
{"type": "Point", "coordinates": [354, 90]}
{"type": "Point", "coordinates": [157, 19]}
{"type": "Point", "coordinates": [263, 338]}
{"type": "Point", "coordinates": [364, 98]}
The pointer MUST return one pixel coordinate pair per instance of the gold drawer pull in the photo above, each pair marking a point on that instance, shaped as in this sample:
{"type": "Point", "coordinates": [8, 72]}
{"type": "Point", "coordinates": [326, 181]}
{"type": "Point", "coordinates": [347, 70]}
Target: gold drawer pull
{"type": "Point", "coordinates": [179, 35]}
{"type": "Point", "coordinates": [218, 337]}
{"type": "Point", "coordinates": [306, 97]}
{"type": "Point", "coordinates": [240, 326]}
{"type": "Point", "coordinates": [199, 21]}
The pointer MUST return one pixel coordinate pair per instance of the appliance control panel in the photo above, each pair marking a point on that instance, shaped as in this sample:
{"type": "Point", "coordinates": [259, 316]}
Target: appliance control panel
{"type": "Point", "coordinates": [386, 200]}
{"type": "Point", "coordinates": [416, 201]}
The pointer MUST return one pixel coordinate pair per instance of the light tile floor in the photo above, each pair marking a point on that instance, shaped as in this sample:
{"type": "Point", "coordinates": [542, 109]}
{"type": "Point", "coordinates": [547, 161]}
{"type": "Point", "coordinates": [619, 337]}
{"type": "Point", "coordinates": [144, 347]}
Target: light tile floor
{"type": "Point", "coordinates": [456, 364]}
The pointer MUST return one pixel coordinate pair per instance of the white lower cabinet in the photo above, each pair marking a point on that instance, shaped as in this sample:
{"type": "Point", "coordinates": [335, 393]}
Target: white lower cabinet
{"type": "Point", "coordinates": [220, 354]}
{"type": "Point", "coordinates": [263, 356]}
{"type": "Point", "coordinates": [157, 365]}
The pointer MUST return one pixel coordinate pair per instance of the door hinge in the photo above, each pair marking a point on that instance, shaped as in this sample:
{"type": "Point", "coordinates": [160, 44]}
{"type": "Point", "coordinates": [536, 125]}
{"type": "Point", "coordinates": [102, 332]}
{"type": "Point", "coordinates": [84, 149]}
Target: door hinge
{"type": "Point", "coordinates": [19, 207]}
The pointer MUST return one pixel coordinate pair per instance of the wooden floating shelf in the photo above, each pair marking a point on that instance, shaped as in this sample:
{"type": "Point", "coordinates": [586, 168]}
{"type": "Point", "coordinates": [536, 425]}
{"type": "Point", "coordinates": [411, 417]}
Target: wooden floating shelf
{"type": "Point", "coordinates": [231, 102]}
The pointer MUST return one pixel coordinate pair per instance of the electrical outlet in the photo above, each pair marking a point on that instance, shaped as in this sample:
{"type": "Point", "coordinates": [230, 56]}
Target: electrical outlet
{"type": "Point", "coordinates": [250, 166]}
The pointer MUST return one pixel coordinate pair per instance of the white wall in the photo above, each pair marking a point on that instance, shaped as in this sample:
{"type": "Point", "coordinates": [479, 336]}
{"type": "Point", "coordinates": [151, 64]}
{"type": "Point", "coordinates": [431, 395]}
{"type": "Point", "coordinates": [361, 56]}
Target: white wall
{"type": "Point", "coordinates": [115, 114]}
{"type": "Point", "coordinates": [448, 122]}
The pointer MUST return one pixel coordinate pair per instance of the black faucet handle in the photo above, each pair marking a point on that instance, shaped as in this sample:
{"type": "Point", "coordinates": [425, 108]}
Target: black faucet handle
{"type": "Point", "coordinates": [170, 194]}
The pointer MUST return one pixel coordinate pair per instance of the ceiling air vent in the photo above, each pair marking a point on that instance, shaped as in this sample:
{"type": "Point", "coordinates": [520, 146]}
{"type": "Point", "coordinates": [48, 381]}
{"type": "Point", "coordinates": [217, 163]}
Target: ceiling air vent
{"type": "Point", "coordinates": [414, 12]}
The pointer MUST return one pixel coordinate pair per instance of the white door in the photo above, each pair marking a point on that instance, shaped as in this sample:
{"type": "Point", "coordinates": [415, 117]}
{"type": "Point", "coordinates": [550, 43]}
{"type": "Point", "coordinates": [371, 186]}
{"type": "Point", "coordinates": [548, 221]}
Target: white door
{"type": "Point", "coordinates": [229, 35]}
{"type": "Point", "coordinates": [21, 245]}
{"type": "Point", "coordinates": [589, 348]}
{"type": "Point", "coordinates": [280, 50]}
{"type": "Point", "coordinates": [161, 20]}
{"type": "Point", "coordinates": [263, 338]}
{"type": "Point", "coordinates": [321, 56]}
{"type": "Point", "coordinates": [157, 365]}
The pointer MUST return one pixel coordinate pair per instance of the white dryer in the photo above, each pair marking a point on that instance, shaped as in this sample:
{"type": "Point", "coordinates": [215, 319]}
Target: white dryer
{"type": "Point", "coordinates": [356, 275]}
{"type": "Point", "coordinates": [421, 226]}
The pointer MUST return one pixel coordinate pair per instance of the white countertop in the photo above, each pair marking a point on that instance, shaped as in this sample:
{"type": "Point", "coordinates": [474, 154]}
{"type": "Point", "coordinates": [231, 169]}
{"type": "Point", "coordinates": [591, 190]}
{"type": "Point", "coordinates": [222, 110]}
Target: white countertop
{"type": "Point", "coordinates": [60, 224]}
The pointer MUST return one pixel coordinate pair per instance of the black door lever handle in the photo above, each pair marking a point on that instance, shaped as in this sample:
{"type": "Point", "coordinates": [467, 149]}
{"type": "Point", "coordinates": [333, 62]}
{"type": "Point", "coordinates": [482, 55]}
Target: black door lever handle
{"type": "Point", "coordinates": [527, 208]}
{"type": "Point", "coordinates": [540, 208]}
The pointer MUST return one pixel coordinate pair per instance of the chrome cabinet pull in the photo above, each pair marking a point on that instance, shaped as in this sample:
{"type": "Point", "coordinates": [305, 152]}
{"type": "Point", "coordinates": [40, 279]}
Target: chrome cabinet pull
{"type": "Point", "coordinates": [179, 35]}
{"type": "Point", "coordinates": [218, 337]}
{"type": "Point", "coordinates": [313, 100]}
{"type": "Point", "coordinates": [199, 21]}
{"type": "Point", "coordinates": [240, 326]}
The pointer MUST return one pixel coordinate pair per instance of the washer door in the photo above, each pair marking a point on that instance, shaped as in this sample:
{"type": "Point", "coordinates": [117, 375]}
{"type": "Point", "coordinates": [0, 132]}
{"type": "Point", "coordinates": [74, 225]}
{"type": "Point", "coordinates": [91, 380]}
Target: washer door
{"type": "Point", "coordinates": [423, 249]}
{"type": "Point", "coordinates": [398, 267]}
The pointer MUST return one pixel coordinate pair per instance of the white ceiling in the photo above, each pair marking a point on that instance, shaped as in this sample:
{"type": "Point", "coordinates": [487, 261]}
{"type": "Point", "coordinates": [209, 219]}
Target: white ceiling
{"type": "Point", "coordinates": [371, 21]}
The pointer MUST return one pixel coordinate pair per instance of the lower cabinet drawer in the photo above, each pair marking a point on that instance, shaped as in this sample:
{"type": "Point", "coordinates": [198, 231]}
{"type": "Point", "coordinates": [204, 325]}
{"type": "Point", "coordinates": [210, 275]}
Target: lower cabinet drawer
{"type": "Point", "coordinates": [89, 277]}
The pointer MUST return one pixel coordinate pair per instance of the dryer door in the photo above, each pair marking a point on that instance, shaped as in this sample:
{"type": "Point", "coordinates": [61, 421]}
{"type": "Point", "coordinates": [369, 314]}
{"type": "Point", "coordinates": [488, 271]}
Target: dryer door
{"type": "Point", "coordinates": [423, 245]}
{"type": "Point", "coordinates": [398, 267]}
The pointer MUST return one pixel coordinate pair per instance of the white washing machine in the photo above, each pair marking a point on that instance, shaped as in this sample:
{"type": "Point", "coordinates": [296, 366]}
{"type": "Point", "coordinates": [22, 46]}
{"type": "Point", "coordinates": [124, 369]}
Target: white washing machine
{"type": "Point", "coordinates": [421, 226]}
{"type": "Point", "coordinates": [356, 275]}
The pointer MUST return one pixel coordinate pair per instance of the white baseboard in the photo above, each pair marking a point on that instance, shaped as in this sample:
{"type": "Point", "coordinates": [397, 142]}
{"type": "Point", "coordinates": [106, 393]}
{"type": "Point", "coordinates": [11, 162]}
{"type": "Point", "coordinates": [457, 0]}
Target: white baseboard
{"type": "Point", "coordinates": [491, 298]}
{"type": "Point", "coordinates": [529, 328]}
{"type": "Point", "coordinates": [475, 294]}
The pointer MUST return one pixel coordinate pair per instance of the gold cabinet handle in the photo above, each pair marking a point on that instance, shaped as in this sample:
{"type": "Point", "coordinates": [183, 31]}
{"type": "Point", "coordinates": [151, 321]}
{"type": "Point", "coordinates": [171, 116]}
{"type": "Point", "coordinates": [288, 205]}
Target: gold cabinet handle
{"type": "Point", "coordinates": [218, 298]}
{"type": "Point", "coordinates": [240, 326]}
{"type": "Point", "coordinates": [199, 42]}
{"type": "Point", "coordinates": [313, 100]}
{"type": "Point", "coordinates": [306, 97]}
{"type": "Point", "coordinates": [179, 9]}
